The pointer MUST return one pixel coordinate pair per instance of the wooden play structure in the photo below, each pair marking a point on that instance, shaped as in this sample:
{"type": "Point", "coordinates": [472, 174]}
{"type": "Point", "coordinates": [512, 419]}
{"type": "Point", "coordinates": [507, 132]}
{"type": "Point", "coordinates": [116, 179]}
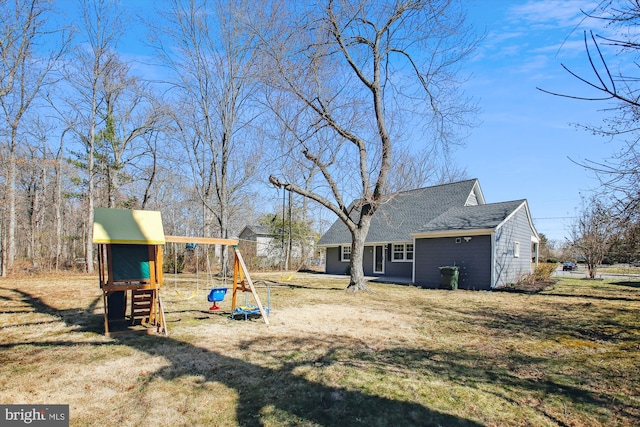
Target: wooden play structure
{"type": "Point", "coordinates": [130, 269]}
{"type": "Point", "coordinates": [241, 279]}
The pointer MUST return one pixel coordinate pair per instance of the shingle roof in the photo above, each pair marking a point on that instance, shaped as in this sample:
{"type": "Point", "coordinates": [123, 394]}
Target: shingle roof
{"type": "Point", "coordinates": [257, 229]}
{"type": "Point", "coordinates": [406, 213]}
{"type": "Point", "coordinates": [481, 217]}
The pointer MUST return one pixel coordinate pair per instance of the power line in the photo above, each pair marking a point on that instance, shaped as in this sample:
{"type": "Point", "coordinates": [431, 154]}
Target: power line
{"type": "Point", "coordinates": [556, 217]}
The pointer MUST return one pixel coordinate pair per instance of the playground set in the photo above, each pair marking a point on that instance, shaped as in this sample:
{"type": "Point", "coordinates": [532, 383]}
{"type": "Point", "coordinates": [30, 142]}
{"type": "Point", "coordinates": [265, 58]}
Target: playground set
{"type": "Point", "coordinates": [130, 256]}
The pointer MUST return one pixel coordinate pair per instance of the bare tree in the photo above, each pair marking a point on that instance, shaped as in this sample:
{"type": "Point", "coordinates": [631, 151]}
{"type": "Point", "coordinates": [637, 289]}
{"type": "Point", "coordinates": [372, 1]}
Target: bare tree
{"type": "Point", "coordinates": [37, 181]}
{"type": "Point", "coordinates": [362, 73]}
{"type": "Point", "coordinates": [101, 27]}
{"type": "Point", "coordinates": [25, 68]}
{"type": "Point", "coordinates": [413, 169]}
{"type": "Point", "coordinates": [212, 59]}
{"type": "Point", "coordinates": [130, 116]}
{"type": "Point", "coordinates": [613, 82]}
{"type": "Point", "coordinates": [592, 233]}
{"type": "Point", "coordinates": [58, 199]}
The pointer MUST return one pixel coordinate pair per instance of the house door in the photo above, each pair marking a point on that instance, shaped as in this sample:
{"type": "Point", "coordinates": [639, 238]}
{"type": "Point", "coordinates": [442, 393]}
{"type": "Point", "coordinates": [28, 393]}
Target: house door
{"type": "Point", "coordinates": [378, 259]}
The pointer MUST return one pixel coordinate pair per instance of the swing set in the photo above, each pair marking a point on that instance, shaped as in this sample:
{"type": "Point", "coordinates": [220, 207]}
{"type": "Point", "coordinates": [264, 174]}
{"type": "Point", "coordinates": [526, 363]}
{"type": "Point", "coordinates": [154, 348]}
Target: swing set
{"type": "Point", "coordinates": [241, 280]}
{"type": "Point", "coordinates": [191, 249]}
{"type": "Point", "coordinates": [130, 257]}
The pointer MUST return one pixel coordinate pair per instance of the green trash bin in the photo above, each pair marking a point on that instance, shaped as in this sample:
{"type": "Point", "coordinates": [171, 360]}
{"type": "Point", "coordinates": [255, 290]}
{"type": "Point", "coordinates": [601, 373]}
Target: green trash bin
{"type": "Point", "coordinates": [449, 277]}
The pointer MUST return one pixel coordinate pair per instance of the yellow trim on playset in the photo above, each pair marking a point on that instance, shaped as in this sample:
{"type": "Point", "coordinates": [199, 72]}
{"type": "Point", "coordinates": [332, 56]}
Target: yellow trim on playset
{"type": "Point", "coordinates": [124, 226]}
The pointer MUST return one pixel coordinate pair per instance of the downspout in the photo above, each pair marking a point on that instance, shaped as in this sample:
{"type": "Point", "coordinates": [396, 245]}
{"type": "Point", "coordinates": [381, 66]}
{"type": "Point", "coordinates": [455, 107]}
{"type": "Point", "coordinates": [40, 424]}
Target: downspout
{"type": "Point", "coordinates": [493, 260]}
{"type": "Point", "coordinates": [413, 263]}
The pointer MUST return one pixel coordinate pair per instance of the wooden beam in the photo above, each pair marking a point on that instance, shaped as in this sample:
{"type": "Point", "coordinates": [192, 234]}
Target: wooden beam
{"type": "Point", "coordinates": [253, 289]}
{"type": "Point", "coordinates": [201, 240]}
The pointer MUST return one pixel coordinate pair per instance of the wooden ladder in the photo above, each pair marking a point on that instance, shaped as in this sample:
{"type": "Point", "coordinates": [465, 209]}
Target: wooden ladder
{"type": "Point", "coordinates": [142, 306]}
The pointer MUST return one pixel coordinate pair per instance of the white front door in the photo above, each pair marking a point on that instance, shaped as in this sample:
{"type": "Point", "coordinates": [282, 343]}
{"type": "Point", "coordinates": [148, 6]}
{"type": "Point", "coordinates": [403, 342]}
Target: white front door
{"type": "Point", "coordinates": [378, 259]}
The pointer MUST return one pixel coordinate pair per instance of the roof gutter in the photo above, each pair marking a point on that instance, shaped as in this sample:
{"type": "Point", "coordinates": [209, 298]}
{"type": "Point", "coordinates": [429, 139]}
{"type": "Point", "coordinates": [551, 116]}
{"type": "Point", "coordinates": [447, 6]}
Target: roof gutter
{"type": "Point", "coordinates": [452, 233]}
{"type": "Point", "coordinates": [337, 245]}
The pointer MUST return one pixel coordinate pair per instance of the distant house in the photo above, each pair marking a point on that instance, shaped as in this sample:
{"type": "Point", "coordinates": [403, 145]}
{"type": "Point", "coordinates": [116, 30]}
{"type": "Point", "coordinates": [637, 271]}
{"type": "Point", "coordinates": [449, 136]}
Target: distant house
{"type": "Point", "coordinates": [257, 241]}
{"type": "Point", "coordinates": [418, 231]}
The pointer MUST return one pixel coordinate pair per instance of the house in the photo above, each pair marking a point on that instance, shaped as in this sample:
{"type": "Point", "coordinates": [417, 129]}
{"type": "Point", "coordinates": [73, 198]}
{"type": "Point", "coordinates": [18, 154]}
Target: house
{"type": "Point", "coordinates": [262, 247]}
{"type": "Point", "coordinates": [416, 232]}
{"type": "Point", "coordinates": [257, 241]}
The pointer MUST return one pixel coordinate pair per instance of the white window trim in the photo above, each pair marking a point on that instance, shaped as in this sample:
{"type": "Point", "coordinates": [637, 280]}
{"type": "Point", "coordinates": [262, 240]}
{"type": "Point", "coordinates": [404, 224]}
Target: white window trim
{"type": "Point", "coordinates": [404, 252]}
{"type": "Point", "coordinates": [516, 249]}
{"type": "Point", "coordinates": [342, 253]}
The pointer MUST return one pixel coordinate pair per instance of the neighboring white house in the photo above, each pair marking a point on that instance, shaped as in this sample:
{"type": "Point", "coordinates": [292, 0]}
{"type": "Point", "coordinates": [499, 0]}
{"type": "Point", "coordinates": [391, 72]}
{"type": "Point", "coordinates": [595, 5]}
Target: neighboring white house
{"type": "Point", "coordinates": [256, 241]}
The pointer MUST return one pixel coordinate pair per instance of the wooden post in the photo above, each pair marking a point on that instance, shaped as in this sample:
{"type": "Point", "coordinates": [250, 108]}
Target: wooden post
{"type": "Point", "coordinates": [106, 314]}
{"type": "Point", "coordinates": [237, 279]}
{"type": "Point", "coordinates": [243, 266]}
{"type": "Point", "coordinates": [162, 324]}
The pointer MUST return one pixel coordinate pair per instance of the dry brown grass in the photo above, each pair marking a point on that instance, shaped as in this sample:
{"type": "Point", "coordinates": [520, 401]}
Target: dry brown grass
{"type": "Point", "coordinates": [397, 356]}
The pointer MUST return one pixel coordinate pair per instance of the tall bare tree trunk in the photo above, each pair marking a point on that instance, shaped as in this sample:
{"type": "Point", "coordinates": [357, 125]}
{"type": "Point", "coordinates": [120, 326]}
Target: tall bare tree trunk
{"type": "Point", "coordinates": [357, 280]}
{"type": "Point", "coordinates": [58, 200]}
{"type": "Point", "coordinates": [58, 214]}
{"type": "Point", "coordinates": [90, 192]}
{"type": "Point", "coordinates": [99, 51]}
{"type": "Point", "coordinates": [3, 246]}
{"type": "Point", "coordinates": [11, 196]}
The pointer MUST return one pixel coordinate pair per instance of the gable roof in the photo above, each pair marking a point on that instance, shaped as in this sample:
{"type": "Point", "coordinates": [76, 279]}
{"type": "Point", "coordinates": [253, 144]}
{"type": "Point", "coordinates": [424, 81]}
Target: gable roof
{"type": "Point", "coordinates": [407, 212]}
{"type": "Point", "coordinates": [257, 229]}
{"type": "Point", "coordinates": [482, 218]}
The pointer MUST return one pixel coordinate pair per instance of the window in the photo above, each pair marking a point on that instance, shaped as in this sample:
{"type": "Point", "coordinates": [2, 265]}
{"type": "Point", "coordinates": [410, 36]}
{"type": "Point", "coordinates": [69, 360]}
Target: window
{"type": "Point", "coordinates": [345, 253]}
{"type": "Point", "coordinates": [402, 252]}
{"type": "Point", "coordinates": [398, 252]}
{"type": "Point", "coordinates": [516, 250]}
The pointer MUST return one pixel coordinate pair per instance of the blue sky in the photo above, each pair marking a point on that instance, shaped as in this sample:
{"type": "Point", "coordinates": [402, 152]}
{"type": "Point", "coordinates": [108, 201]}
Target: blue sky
{"type": "Point", "coordinates": [523, 146]}
{"type": "Point", "coordinates": [526, 138]}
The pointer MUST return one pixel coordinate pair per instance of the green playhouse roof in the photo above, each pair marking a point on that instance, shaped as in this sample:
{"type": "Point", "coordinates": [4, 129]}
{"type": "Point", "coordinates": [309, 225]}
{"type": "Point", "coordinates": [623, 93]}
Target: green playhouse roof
{"type": "Point", "coordinates": [127, 226]}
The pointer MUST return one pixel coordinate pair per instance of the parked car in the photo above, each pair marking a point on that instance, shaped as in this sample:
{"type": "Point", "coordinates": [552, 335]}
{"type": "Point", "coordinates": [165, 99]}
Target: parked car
{"type": "Point", "coordinates": [569, 266]}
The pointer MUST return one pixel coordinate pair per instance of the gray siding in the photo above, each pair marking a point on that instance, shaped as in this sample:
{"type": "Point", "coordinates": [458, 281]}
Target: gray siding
{"type": "Point", "coordinates": [367, 261]}
{"type": "Point", "coordinates": [396, 269]}
{"type": "Point", "coordinates": [391, 269]}
{"type": "Point", "coordinates": [473, 259]}
{"type": "Point", "coordinates": [333, 265]}
{"type": "Point", "coordinates": [508, 267]}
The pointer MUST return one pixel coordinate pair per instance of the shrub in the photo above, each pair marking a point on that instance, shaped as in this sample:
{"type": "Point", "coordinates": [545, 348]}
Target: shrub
{"type": "Point", "coordinates": [544, 271]}
{"type": "Point", "coordinates": [170, 266]}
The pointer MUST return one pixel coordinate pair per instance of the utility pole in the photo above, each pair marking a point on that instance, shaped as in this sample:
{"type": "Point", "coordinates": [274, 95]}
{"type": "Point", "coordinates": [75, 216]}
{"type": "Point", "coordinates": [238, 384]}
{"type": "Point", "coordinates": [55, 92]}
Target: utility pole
{"type": "Point", "coordinates": [290, 233]}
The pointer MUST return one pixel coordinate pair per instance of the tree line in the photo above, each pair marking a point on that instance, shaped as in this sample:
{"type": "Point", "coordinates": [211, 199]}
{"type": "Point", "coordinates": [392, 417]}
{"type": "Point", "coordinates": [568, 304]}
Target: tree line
{"type": "Point", "coordinates": [340, 102]}
{"type": "Point", "coordinates": [228, 96]}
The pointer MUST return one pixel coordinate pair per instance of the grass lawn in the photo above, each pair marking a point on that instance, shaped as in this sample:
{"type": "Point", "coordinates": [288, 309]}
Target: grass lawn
{"type": "Point", "coordinates": [568, 356]}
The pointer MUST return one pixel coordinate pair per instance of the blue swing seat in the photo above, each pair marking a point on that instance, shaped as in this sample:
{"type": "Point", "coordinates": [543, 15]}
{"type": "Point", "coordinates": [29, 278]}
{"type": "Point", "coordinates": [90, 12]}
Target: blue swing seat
{"type": "Point", "coordinates": [217, 294]}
